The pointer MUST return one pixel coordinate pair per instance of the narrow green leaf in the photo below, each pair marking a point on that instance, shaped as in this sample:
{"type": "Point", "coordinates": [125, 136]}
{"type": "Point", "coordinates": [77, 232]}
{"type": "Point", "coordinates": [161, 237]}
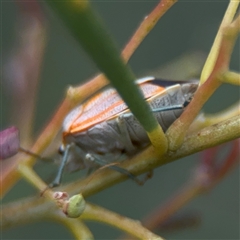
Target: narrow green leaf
{"type": "Point", "coordinates": [90, 32]}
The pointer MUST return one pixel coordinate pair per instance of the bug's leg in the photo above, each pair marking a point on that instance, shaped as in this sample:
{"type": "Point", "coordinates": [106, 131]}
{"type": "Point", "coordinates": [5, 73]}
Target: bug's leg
{"type": "Point", "coordinates": [130, 148]}
{"type": "Point", "coordinates": [168, 108]}
{"type": "Point", "coordinates": [56, 182]}
{"type": "Point", "coordinates": [125, 134]}
{"type": "Point", "coordinates": [104, 163]}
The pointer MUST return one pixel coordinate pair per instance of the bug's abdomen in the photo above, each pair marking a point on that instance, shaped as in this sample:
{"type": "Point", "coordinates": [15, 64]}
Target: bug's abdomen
{"type": "Point", "coordinates": [101, 138]}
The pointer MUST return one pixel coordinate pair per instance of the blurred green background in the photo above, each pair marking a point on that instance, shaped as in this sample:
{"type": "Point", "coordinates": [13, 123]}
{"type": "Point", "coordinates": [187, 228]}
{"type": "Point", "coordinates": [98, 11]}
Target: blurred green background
{"type": "Point", "coordinates": [188, 27]}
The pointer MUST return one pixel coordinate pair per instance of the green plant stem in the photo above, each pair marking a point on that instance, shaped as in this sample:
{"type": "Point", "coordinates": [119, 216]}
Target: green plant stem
{"type": "Point", "coordinates": [75, 96]}
{"type": "Point", "coordinates": [89, 31]}
{"type": "Point", "coordinates": [37, 208]}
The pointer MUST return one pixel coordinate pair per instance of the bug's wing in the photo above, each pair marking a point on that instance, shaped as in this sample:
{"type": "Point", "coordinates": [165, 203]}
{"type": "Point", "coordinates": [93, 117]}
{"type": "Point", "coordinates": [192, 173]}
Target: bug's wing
{"type": "Point", "coordinates": [98, 109]}
{"type": "Point", "coordinates": [102, 107]}
{"type": "Point", "coordinates": [108, 105]}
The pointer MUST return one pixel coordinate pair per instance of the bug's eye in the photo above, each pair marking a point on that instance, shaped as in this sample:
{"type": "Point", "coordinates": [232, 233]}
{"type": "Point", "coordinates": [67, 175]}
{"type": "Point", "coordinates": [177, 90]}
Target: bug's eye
{"type": "Point", "coordinates": [61, 150]}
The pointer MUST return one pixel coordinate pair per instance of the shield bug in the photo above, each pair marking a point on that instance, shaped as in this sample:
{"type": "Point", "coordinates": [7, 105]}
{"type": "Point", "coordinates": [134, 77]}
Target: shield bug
{"type": "Point", "coordinates": [102, 129]}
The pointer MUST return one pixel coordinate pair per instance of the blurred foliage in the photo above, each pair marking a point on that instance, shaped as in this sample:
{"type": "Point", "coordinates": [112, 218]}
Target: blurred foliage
{"type": "Point", "coordinates": [188, 29]}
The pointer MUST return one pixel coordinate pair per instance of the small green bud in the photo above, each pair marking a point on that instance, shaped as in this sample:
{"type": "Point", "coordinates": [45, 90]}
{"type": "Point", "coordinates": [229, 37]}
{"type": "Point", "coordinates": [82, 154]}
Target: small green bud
{"type": "Point", "coordinates": [75, 206]}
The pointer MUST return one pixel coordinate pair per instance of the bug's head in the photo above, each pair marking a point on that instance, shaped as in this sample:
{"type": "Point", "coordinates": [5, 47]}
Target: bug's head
{"type": "Point", "coordinates": [61, 149]}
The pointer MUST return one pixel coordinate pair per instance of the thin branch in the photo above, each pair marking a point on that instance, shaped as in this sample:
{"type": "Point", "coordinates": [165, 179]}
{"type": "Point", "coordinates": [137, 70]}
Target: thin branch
{"type": "Point", "coordinates": [212, 57]}
{"type": "Point", "coordinates": [146, 26]}
{"type": "Point", "coordinates": [204, 179]}
{"type": "Point", "coordinates": [133, 227]}
{"type": "Point", "coordinates": [171, 206]}
{"type": "Point", "coordinates": [178, 129]}
{"type": "Point", "coordinates": [147, 160]}
{"type": "Point", "coordinates": [37, 207]}
{"type": "Point", "coordinates": [231, 78]}
{"type": "Point", "coordinates": [205, 120]}
{"type": "Point", "coordinates": [77, 227]}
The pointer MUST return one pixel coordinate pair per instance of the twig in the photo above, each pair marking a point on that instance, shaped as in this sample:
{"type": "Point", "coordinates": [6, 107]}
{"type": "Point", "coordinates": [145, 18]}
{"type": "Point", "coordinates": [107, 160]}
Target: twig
{"type": "Point", "coordinates": [77, 227]}
{"type": "Point", "coordinates": [204, 179]}
{"type": "Point", "coordinates": [37, 208]}
{"type": "Point", "coordinates": [178, 129]}
{"type": "Point", "coordinates": [133, 227]}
